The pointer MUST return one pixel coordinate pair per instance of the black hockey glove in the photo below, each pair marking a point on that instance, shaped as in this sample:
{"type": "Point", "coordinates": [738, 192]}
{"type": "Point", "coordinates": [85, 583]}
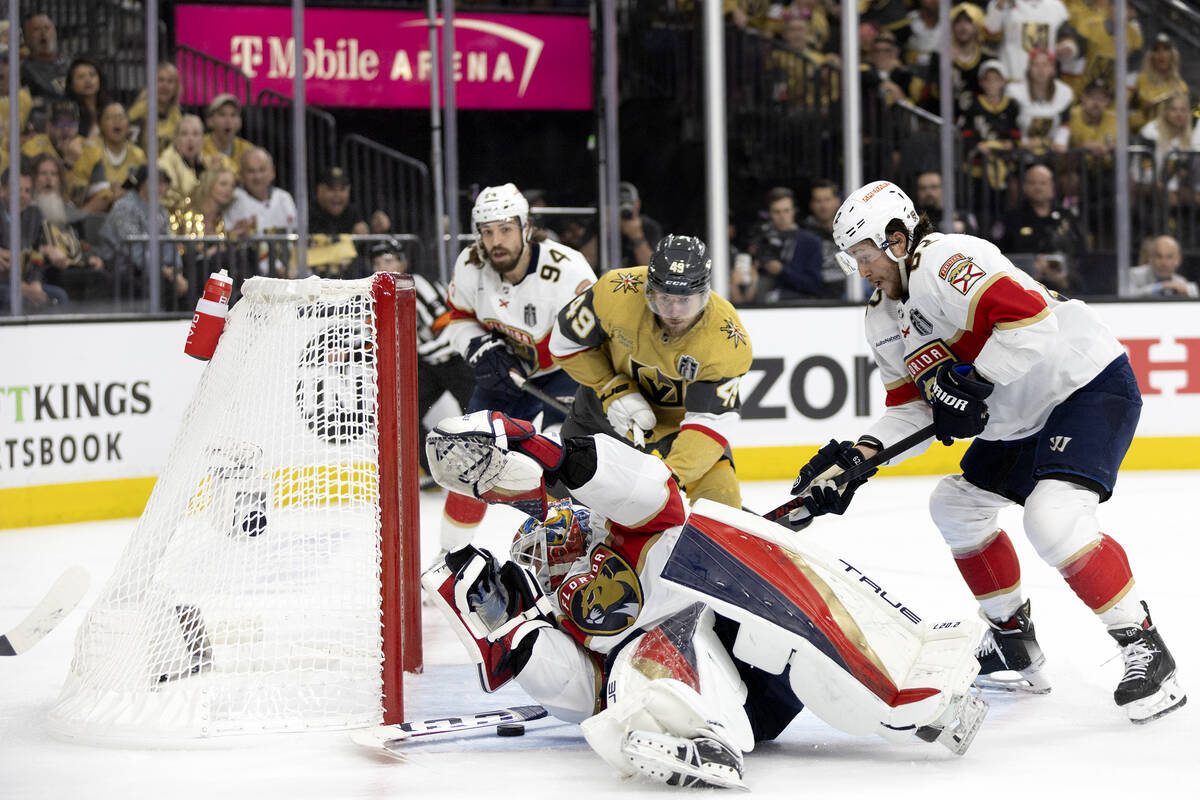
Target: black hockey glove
{"type": "Point", "coordinates": [957, 395]}
{"type": "Point", "coordinates": [492, 361]}
{"type": "Point", "coordinates": [816, 478]}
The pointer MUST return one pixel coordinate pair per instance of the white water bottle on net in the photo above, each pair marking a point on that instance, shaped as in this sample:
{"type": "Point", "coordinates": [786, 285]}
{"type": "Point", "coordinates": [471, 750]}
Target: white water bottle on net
{"type": "Point", "coordinates": [271, 582]}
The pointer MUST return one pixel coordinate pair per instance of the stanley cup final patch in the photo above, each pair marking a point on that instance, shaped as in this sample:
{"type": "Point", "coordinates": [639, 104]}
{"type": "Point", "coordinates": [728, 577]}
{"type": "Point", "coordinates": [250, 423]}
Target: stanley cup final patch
{"type": "Point", "coordinates": [688, 368]}
{"type": "Point", "coordinates": [530, 315]}
{"type": "Point", "coordinates": [920, 322]}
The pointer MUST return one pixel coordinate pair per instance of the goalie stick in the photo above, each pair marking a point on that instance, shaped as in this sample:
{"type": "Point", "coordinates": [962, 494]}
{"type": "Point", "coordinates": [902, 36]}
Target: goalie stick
{"type": "Point", "coordinates": [525, 386]}
{"type": "Point", "coordinates": [62, 598]}
{"type": "Point", "coordinates": [387, 737]}
{"type": "Point", "coordinates": [802, 519]}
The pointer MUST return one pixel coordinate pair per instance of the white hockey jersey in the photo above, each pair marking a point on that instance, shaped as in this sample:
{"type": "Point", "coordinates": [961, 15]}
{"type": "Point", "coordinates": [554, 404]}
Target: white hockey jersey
{"type": "Point", "coordinates": [523, 312]}
{"type": "Point", "coordinates": [968, 302]}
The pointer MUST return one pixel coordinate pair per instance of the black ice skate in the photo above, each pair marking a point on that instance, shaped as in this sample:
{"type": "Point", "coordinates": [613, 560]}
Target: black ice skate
{"type": "Point", "coordinates": [1010, 658]}
{"type": "Point", "coordinates": [1149, 688]}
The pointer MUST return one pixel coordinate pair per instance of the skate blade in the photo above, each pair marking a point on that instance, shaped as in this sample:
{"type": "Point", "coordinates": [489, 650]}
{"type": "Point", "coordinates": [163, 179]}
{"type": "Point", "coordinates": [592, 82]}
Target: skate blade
{"type": "Point", "coordinates": [647, 753]}
{"type": "Point", "coordinates": [1168, 698]}
{"type": "Point", "coordinates": [1028, 682]}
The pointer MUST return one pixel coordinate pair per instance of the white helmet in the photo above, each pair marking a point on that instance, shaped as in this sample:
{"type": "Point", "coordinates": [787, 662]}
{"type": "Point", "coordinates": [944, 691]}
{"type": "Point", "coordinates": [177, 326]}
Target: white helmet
{"type": "Point", "coordinates": [497, 203]}
{"type": "Point", "coordinates": [865, 215]}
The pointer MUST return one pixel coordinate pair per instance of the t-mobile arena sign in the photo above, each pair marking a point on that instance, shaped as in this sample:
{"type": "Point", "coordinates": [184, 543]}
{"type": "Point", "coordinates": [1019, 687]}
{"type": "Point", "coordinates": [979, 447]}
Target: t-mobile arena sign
{"type": "Point", "coordinates": [381, 59]}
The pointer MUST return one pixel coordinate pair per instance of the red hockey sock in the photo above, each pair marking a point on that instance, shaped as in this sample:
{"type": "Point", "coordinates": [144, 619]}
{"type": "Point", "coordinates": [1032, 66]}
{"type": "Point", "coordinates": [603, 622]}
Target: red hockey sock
{"type": "Point", "coordinates": [991, 570]}
{"type": "Point", "coordinates": [1099, 576]}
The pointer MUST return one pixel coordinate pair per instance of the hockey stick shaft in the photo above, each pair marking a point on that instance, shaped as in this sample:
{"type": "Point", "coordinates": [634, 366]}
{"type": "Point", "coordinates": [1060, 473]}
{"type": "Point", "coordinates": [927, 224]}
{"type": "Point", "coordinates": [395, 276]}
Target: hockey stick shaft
{"type": "Point", "coordinates": [389, 735]}
{"type": "Point", "coordinates": [854, 473]}
{"type": "Point", "coordinates": [525, 386]}
{"type": "Point", "coordinates": [62, 598]}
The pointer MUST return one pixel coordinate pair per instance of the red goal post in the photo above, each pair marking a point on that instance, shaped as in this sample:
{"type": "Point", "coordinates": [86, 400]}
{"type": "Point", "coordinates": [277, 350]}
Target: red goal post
{"type": "Point", "coordinates": [400, 510]}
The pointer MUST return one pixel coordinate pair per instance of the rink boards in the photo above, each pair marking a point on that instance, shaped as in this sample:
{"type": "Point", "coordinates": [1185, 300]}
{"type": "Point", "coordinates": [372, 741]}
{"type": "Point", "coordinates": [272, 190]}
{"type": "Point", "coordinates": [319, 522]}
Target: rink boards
{"type": "Point", "coordinates": [88, 411]}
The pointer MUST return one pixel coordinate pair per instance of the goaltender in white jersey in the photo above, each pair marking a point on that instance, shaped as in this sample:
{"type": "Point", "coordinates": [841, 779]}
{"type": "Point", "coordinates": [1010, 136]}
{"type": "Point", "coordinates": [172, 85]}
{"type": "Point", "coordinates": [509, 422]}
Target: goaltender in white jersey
{"type": "Point", "coordinates": [967, 341]}
{"type": "Point", "coordinates": [679, 639]}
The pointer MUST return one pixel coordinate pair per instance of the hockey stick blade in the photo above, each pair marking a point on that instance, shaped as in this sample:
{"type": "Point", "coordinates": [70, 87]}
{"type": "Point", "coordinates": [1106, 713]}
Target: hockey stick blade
{"type": "Point", "coordinates": [62, 598]}
{"type": "Point", "coordinates": [386, 737]}
{"type": "Point", "coordinates": [803, 517]}
{"type": "Point", "coordinates": [525, 386]}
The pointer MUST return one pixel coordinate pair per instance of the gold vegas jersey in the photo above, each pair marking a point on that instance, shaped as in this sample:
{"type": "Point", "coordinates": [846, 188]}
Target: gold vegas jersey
{"type": "Point", "coordinates": [691, 382]}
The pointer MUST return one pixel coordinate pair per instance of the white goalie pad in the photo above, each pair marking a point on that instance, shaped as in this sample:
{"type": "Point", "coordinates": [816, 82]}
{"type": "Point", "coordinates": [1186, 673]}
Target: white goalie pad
{"type": "Point", "coordinates": [675, 679]}
{"type": "Point", "coordinates": [861, 660]}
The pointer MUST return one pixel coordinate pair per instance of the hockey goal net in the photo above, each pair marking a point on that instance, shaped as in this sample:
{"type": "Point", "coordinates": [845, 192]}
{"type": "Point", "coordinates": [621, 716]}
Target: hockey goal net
{"type": "Point", "coordinates": [271, 582]}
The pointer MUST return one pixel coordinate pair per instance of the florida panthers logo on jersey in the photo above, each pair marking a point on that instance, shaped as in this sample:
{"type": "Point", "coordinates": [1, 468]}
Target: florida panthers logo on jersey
{"type": "Point", "coordinates": [607, 599]}
{"type": "Point", "coordinates": [963, 275]}
{"type": "Point", "coordinates": [625, 283]}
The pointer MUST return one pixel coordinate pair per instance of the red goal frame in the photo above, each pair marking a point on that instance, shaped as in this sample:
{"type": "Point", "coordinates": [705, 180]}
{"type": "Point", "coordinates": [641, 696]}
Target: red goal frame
{"type": "Point", "coordinates": [394, 300]}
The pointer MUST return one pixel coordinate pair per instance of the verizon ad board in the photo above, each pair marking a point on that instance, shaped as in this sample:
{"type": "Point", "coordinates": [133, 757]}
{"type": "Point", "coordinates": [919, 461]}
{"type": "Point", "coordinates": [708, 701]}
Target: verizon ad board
{"type": "Point", "coordinates": [381, 58]}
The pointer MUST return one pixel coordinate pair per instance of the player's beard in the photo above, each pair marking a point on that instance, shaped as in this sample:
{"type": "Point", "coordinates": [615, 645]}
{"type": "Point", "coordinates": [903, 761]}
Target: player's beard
{"type": "Point", "coordinates": [53, 207]}
{"type": "Point", "coordinates": [513, 258]}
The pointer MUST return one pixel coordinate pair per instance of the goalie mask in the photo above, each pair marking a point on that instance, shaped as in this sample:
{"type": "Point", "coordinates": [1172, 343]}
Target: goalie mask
{"type": "Point", "coordinates": [547, 549]}
{"type": "Point", "coordinates": [500, 204]}
{"type": "Point", "coordinates": [863, 219]}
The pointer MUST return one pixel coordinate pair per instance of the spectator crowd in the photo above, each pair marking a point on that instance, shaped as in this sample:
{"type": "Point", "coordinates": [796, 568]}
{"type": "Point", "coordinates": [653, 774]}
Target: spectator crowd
{"type": "Point", "coordinates": [1034, 89]}
{"type": "Point", "coordinates": [85, 206]}
{"type": "Point", "coordinates": [1033, 84]}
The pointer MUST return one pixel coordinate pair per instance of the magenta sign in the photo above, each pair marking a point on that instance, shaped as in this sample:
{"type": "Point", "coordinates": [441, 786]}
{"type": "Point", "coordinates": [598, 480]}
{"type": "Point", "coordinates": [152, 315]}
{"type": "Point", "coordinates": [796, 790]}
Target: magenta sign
{"type": "Point", "coordinates": [381, 59]}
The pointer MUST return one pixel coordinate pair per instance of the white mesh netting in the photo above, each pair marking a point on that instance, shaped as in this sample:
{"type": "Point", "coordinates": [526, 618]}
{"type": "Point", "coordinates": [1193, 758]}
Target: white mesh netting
{"type": "Point", "coordinates": [248, 597]}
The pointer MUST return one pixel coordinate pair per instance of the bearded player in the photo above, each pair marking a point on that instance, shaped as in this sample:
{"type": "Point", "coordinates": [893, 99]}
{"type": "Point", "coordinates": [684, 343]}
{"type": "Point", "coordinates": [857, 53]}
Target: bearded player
{"type": "Point", "coordinates": [504, 294]}
{"type": "Point", "coordinates": [659, 355]}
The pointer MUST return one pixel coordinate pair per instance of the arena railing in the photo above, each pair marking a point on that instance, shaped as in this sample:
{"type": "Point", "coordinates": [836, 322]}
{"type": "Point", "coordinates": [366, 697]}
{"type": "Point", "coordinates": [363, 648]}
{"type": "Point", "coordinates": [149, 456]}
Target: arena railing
{"type": "Point", "coordinates": [268, 123]}
{"type": "Point", "coordinates": [202, 77]}
{"type": "Point", "coordinates": [387, 180]}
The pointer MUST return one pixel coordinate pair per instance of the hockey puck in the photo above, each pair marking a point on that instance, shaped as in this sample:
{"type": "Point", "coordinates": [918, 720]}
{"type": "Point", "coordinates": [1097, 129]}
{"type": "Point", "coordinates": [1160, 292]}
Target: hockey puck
{"type": "Point", "coordinates": [510, 729]}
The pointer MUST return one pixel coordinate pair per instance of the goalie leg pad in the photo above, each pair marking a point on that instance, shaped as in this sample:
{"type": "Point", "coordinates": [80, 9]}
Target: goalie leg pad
{"type": "Point", "coordinates": [860, 660]}
{"type": "Point", "coordinates": [703, 697]}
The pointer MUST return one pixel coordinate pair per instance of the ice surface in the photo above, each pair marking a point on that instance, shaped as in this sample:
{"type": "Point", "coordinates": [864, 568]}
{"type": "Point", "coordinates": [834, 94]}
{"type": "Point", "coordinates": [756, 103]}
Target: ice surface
{"type": "Point", "coordinates": [1070, 743]}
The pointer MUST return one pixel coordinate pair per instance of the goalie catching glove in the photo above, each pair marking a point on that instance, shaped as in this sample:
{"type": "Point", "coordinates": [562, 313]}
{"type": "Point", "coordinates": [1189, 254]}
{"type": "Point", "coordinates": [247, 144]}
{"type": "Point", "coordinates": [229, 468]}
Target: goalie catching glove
{"type": "Point", "coordinates": [816, 480]}
{"type": "Point", "coordinates": [496, 610]}
{"type": "Point", "coordinates": [494, 457]}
